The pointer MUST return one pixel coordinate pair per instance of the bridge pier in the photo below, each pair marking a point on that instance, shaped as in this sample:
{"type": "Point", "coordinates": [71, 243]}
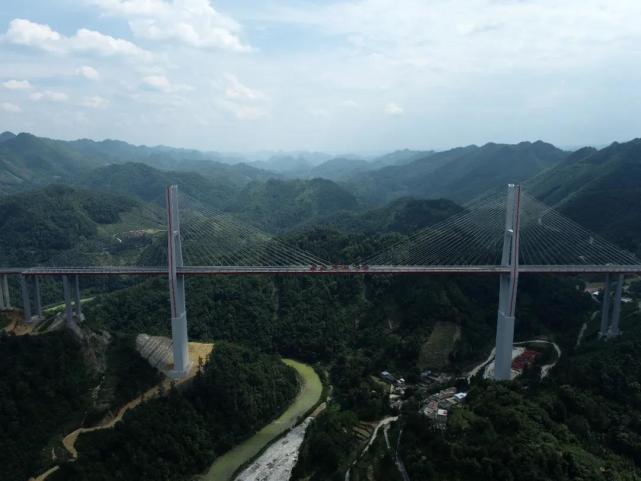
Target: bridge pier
{"type": "Point", "coordinates": [4, 293]}
{"type": "Point", "coordinates": [508, 285]}
{"type": "Point", "coordinates": [26, 301]}
{"type": "Point", "coordinates": [67, 293]}
{"type": "Point", "coordinates": [614, 331]}
{"type": "Point", "coordinates": [36, 285]}
{"type": "Point", "coordinates": [605, 307]}
{"type": "Point", "coordinates": [2, 306]}
{"type": "Point", "coordinates": [179, 333]}
{"type": "Point", "coordinates": [79, 315]}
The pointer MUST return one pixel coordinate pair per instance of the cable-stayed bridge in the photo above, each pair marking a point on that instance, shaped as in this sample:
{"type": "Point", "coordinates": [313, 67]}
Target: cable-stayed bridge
{"type": "Point", "coordinates": [503, 235]}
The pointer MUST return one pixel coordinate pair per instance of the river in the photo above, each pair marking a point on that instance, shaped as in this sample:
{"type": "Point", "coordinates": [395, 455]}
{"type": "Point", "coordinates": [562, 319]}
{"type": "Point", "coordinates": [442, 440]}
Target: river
{"type": "Point", "coordinates": [229, 463]}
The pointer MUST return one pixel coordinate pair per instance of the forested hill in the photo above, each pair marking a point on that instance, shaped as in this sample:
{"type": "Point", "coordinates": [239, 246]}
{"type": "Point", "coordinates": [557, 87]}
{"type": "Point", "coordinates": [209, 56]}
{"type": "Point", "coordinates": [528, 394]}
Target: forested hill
{"type": "Point", "coordinates": [342, 167]}
{"type": "Point", "coordinates": [459, 174]}
{"type": "Point", "coordinates": [6, 136]}
{"type": "Point", "coordinates": [175, 437]}
{"type": "Point", "coordinates": [405, 215]}
{"type": "Point", "coordinates": [275, 204]}
{"type": "Point", "coordinates": [279, 205]}
{"type": "Point", "coordinates": [44, 386]}
{"type": "Point", "coordinates": [599, 189]}
{"type": "Point", "coordinates": [148, 184]}
{"type": "Point", "coordinates": [36, 227]}
{"type": "Point", "coordinates": [582, 423]}
{"type": "Point", "coordinates": [28, 162]}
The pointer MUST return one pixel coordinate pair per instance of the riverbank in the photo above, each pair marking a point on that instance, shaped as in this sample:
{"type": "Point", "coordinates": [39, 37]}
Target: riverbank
{"type": "Point", "coordinates": [227, 465]}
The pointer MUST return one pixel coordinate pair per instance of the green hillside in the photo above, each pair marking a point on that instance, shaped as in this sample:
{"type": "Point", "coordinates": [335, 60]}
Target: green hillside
{"type": "Point", "coordinates": [459, 174]}
{"type": "Point", "coordinates": [599, 189]}
{"type": "Point", "coordinates": [278, 204]}
{"type": "Point", "coordinates": [28, 162]}
{"type": "Point", "coordinates": [66, 226]}
{"type": "Point", "coordinates": [175, 437]}
{"type": "Point", "coordinates": [148, 184]}
{"type": "Point", "coordinates": [46, 390]}
{"type": "Point", "coordinates": [405, 215]}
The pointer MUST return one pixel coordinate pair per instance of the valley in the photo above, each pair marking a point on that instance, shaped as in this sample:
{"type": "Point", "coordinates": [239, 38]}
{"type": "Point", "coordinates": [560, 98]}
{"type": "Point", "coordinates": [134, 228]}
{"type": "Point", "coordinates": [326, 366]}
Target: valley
{"type": "Point", "coordinates": [243, 411]}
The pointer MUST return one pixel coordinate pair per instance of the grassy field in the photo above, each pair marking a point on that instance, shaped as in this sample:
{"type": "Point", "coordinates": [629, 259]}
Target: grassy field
{"type": "Point", "coordinates": [436, 350]}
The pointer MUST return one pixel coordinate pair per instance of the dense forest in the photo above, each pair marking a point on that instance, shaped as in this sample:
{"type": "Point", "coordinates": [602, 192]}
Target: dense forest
{"type": "Point", "coordinates": [173, 437]}
{"type": "Point", "coordinates": [58, 225]}
{"type": "Point", "coordinates": [552, 306]}
{"type": "Point", "coordinates": [44, 389]}
{"type": "Point", "coordinates": [583, 422]}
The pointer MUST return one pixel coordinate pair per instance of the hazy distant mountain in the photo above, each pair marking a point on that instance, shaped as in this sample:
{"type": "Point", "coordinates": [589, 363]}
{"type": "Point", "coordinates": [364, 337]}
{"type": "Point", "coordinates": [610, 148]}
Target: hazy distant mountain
{"type": "Point", "coordinates": [148, 183]}
{"type": "Point", "coordinates": [399, 157]}
{"type": "Point", "coordinates": [338, 168]}
{"type": "Point", "coordinates": [117, 151]}
{"type": "Point", "coordinates": [459, 174]}
{"type": "Point", "coordinates": [292, 164]}
{"type": "Point", "coordinates": [28, 162]}
{"type": "Point", "coordinates": [600, 189]}
{"type": "Point", "coordinates": [6, 136]}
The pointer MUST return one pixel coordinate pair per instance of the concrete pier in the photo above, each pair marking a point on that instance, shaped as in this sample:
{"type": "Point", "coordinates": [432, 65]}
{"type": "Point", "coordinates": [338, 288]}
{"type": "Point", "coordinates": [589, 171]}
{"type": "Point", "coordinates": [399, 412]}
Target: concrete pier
{"type": "Point", "coordinates": [77, 300]}
{"type": "Point", "coordinates": [2, 305]}
{"type": "Point", "coordinates": [38, 299]}
{"type": "Point", "coordinates": [26, 301]}
{"type": "Point", "coordinates": [605, 307]}
{"type": "Point", "coordinates": [4, 287]}
{"type": "Point", "coordinates": [179, 333]}
{"type": "Point", "coordinates": [614, 330]}
{"type": "Point", "coordinates": [67, 293]}
{"type": "Point", "coordinates": [508, 285]}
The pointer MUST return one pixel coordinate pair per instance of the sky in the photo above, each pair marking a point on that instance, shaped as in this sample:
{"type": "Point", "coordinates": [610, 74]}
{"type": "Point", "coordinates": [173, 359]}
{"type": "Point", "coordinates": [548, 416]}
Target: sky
{"type": "Point", "coordinates": [335, 76]}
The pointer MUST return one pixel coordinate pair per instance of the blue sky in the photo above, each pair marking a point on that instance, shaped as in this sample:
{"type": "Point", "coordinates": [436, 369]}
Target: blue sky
{"type": "Point", "coordinates": [340, 76]}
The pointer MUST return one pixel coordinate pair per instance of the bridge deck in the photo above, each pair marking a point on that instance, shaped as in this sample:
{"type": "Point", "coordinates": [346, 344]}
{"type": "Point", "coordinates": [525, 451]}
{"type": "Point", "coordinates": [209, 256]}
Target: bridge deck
{"type": "Point", "coordinates": [315, 270]}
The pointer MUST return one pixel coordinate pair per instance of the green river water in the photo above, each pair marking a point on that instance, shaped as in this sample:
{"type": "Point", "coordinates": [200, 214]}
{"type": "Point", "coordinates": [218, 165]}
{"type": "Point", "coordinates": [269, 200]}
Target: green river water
{"type": "Point", "coordinates": [225, 466]}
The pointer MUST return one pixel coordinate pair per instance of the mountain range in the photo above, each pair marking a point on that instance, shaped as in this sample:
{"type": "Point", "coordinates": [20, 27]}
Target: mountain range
{"type": "Point", "coordinates": [587, 185]}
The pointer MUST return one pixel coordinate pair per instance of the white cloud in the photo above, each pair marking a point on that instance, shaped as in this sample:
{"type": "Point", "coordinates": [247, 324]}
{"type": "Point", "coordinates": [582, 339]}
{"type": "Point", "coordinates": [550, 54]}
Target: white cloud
{"type": "Point", "coordinates": [392, 108]}
{"type": "Point", "coordinates": [236, 90]}
{"type": "Point", "coordinates": [25, 32]}
{"type": "Point", "coordinates": [91, 41]}
{"type": "Point", "coordinates": [10, 108]}
{"type": "Point", "coordinates": [17, 85]}
{"type": "Point", "coordinates": [95, 102]}
{"type": "Point", "coordinates": [349, 103]}
{"type": "Point", "coordinates": [35, 35]}
{"type": "Point", "coordinates": [191, 22]}
{"type": "Point", "coordinates": [163, 84]}
{"type": "Point", "coordinates": [50, 96]}
{"type": "Point", "coordinates": [87, 72]}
